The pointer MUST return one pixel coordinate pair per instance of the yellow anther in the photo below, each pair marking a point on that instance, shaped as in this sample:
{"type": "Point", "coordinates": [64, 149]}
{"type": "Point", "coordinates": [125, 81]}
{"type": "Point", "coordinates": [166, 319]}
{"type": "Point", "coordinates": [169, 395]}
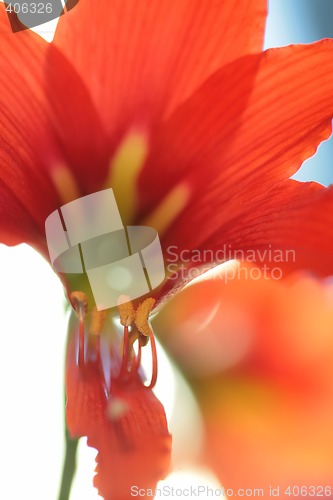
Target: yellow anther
{"type": "Point", "coordinates": [142, 314]}
{"type": "Point", "coordinates": [79, 302]}
{"type": "Point", "coordinates": [126, 313]}
{"type": "Point", "coordinates": [97, 321]}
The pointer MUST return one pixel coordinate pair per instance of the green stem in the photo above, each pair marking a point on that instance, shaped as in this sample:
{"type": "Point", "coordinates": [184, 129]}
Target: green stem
{"type": "Point", "coordinates": [69, 467]}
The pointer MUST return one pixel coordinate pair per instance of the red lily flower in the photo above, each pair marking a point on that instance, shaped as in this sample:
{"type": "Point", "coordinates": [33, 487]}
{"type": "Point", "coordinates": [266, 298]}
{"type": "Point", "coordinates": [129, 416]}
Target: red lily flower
{"type": "Point", "coordinates": [174, 106]}
{"type": "Point", "coordinates": [259, 362]}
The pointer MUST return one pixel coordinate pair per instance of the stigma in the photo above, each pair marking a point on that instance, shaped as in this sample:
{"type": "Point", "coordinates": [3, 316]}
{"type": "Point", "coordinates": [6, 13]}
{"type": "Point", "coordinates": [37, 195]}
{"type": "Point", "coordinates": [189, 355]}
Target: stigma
{"type": "Point", "coordinates": [137, 333]}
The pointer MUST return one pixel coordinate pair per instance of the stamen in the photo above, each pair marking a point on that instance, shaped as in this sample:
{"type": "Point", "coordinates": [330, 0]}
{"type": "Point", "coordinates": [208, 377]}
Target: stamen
{"type": "Point", "coordinates": [79, 299]}
{"type": "Point", "coordinates": [126, 313]}
{"type": "Point", "coordinates": [142, 314]}
{"type": "Point", "coordinates": [142, 323]}
{"type": "Point", "coordinates": [98, 347]}
{"type": "Point", "coordinates": [154, 361]}
{"type": "Point", "coordinates": [124, 361]}
{"type": "Point", "coordinates": [141, 332]}
{"type": "Point", "coordinates": [97, 321]}
{"type": "Point", "coordinates": [136, 358]}
{"type": "Point", "coordinates": [79, 302]}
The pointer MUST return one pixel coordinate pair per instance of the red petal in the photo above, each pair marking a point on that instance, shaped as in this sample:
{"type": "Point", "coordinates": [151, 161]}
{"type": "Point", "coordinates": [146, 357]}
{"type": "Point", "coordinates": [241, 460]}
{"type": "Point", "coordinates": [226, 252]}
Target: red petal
{"type": "Point", "coordinates": [249, 126]}
{"type": "Point", "coordinates": [141, 58]}
{"type": "Point", "coordinates": [288, 228]}
{"type": "Point", "coordinates": [293, 216]}
{"type": "Point", "coordinates": [133, 449]}
{"type": "Point", "coordinates": [46, 121]}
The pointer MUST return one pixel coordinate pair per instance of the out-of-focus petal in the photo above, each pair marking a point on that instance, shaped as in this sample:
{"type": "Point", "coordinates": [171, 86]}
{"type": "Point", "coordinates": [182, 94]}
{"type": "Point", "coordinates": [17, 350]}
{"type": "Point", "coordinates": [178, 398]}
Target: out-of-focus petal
{"type": "Point", "coordinates": [268, 412]}
{"type": "Point", "coordinates": [250, 126]}
{"type": "Point", "coordinates": [153, 55]}
{"type": "Point", "coordinates": [49, 134]}
{"type": "Point", "coordinates": [210, 325]}
{"type": "Point", "coordinates": [131, 437]}
{"type": "Point", "coordinates": [259, 435]}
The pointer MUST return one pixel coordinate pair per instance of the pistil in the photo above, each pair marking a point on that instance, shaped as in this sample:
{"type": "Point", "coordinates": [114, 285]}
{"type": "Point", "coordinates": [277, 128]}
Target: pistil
{"type": "Point", "coordinates": [127, 316]}
{"type": "Point", "coordinates": [125, 357]}
{"type": "Point", "coordinates": [154, 362]}
{"type": "Point", "coordinates": [80, 305]}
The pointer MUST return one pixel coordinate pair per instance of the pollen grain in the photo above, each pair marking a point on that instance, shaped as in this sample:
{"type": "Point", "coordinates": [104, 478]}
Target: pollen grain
{"type": "Point", "coordinates": [142, 314]}
{"type": "Point", "coordinates": [79, 302]}
{"type": "Point", "coordinates": [126, 313]}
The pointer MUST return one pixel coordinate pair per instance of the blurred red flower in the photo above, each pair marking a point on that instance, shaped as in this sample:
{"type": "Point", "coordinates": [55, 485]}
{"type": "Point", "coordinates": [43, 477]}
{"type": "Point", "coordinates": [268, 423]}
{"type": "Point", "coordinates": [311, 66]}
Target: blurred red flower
{"type": "Point", "coordinates": [258, 356]}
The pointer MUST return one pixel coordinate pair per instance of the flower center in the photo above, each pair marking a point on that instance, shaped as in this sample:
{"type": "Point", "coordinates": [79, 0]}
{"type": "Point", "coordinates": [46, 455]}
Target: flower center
{"type": "Point", "coordinates": [137, 331]}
